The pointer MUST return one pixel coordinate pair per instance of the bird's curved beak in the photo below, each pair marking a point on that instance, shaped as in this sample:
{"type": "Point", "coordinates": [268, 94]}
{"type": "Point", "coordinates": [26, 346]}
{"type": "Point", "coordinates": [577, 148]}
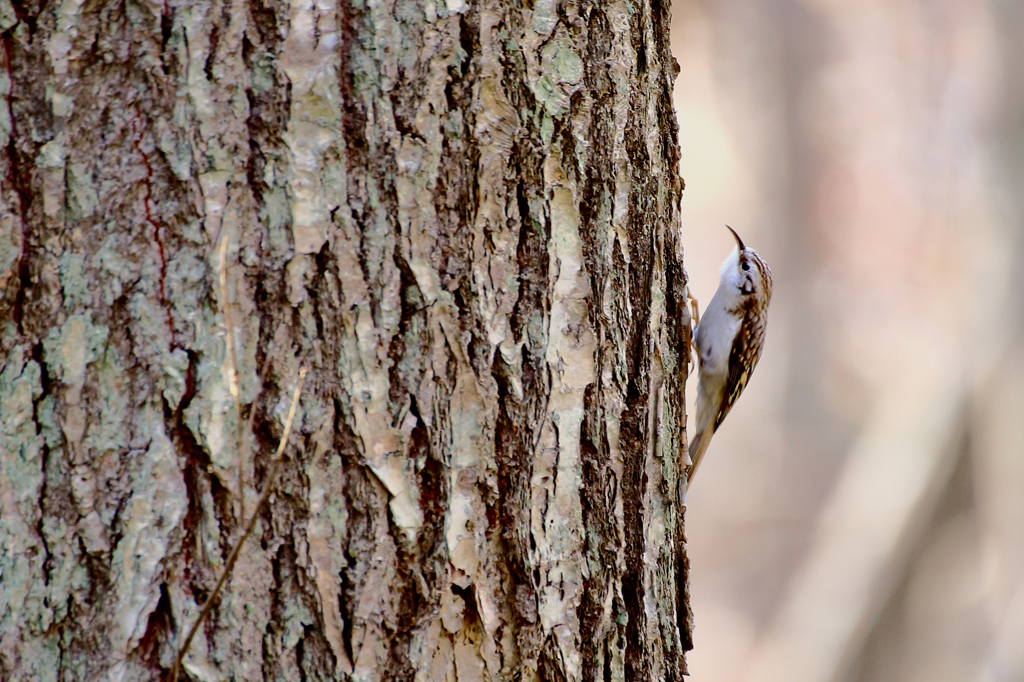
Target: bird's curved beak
{"type": "Point", "coordinates": [738, 240]}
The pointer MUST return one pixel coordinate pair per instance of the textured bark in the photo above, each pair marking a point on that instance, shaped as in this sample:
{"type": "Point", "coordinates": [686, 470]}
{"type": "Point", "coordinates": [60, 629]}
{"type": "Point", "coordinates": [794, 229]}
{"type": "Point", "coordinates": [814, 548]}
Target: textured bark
{"type": "Point", "coordinates": [463, 218]}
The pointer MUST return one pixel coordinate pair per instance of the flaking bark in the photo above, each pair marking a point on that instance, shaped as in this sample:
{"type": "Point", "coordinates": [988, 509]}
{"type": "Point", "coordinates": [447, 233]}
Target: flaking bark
{"type": "Point", "coordinates": [463, 218]}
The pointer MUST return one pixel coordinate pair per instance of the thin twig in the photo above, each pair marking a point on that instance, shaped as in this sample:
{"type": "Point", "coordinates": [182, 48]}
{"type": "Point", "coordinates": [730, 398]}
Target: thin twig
{"type": "Point", "coordinates": [268, 488]}
{"type": "Point", "coordinates": [233, 379]}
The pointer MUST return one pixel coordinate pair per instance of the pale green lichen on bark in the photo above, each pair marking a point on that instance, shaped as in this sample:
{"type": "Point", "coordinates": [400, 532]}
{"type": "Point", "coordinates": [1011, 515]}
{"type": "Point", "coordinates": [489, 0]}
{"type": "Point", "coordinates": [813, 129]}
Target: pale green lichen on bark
{"type": "Point", "coordinates": [107, 434]}
{"type": "Point", "coordinates": [158, 502]}
{"type": "Point", "coordinates": [70, 348]}
{"type": "Point", "coordinates": [25, 602]}
{"type": "Point", "coordinates": [8, 15]}
{"type": "Point", "coordinates": [21, 476]}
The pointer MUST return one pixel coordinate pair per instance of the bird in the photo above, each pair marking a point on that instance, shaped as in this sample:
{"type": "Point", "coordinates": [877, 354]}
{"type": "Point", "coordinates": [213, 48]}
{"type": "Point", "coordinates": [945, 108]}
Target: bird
{"type": "Point", "coordinates": [729, 338]}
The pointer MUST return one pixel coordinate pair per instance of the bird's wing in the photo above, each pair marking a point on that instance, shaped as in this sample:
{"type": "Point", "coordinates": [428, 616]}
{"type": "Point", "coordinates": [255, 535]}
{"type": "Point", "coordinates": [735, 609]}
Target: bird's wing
{"type": "Point", "coordinates": [746, 351]}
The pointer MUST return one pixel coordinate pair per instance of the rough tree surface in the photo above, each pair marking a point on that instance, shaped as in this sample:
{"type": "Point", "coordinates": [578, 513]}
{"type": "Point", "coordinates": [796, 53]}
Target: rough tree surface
{"type": "Point", "coordinates": [463, 218]}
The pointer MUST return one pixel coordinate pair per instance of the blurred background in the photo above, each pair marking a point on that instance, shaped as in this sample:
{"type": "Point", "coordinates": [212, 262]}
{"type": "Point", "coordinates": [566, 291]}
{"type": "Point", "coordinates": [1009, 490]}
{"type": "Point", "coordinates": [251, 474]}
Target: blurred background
{"type": "Point", "coordinates": [860, 515]}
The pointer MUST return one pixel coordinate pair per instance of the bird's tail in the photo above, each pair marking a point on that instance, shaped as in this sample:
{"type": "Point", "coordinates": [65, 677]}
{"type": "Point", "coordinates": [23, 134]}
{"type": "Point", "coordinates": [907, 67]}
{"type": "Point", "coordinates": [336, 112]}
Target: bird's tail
{"type": "Point", "coordinates": [698, 447]}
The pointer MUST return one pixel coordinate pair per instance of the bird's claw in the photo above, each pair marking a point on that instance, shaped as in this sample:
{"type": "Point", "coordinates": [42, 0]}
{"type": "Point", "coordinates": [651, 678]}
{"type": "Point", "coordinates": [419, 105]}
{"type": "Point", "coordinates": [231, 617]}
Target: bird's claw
{"type": "Point", "coordinates": [694, 321]}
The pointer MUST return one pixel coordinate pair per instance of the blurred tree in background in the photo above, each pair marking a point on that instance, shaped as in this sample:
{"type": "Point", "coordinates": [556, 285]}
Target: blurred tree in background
{"type": "Point", "coordinates": [861, 518]}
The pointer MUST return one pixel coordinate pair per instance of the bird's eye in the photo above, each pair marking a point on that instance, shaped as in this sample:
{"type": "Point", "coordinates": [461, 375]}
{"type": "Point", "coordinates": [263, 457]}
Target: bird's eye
{"type": "Point", "coordinates": [745, 265]}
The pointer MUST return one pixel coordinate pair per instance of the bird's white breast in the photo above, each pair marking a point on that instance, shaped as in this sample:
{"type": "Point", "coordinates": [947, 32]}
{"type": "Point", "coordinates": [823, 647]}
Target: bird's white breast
{"type": "Point", "coordinates": [716, 332]}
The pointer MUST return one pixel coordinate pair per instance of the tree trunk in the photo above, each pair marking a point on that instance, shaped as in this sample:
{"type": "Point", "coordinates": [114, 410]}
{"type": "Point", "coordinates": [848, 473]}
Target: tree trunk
{"type": "Point", "coordinates": [463, 219]}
